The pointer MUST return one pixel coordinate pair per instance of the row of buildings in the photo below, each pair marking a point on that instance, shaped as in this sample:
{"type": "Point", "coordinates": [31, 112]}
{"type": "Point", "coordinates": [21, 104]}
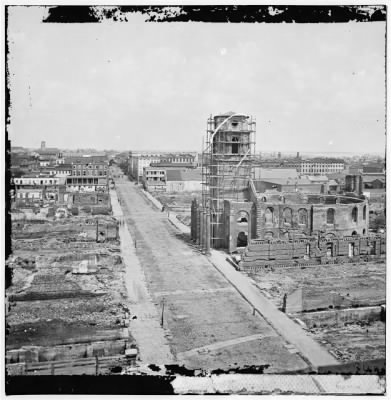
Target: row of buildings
{"type": "Point", "coordinates": [183, 172]}
{"type": "Point", "coordinates": [312, 166]}
{"type": "Point", "coordinates": [48, 178]}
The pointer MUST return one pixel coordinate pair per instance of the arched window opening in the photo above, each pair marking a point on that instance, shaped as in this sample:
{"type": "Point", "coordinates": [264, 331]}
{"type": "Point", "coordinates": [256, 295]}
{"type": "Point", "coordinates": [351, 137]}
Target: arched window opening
{"type": "Point", "coordinates": [269, 235]}
{"type": "Point", "coordinates": [287, 216]}
{"type": "Point", "coordinates": [354, 233]}
{"type": "Point", "coordinates": [264, 199]}
{"type": "Point", "coordinates": [364, 213]}
{"type": "Point", "coordinates": [242, 218]}
{"type": "Point", "coordinates": [354, 214]}
{"type": "Point", "coordinates": [303, 216]}
{"type": "Point", "coordinates": [242, 239]}
{"type": "Point", "coordinates": [269, 216]}
{"type": "Point", "coordinates": [331, 216]}
{"type": "Point", "coordinates": [364, 231]}
{"type": "Point", "coordinates": [235, 145]}
{"type": "Point", "coordinates": [307, 249]}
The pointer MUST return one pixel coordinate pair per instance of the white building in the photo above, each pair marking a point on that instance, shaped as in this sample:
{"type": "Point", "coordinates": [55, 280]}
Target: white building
{"type": "Point", "coordinates": [321, 166]}
{"type": "Point", "coordinates": [140, 160]}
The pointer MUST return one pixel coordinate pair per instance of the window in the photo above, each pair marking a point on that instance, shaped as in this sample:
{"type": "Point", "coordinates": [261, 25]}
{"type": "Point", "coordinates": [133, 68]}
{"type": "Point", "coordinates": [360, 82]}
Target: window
{"type": "Point", "coordinates": [241, 239]}
{"type": "Point", "coordinates": [242, 218]}
{"type": "Point", "coordinates": [354, 214]}
{"type": "Point", "coordinates": [269, 216]}
{"type": "Point", "coordinates": [287, 215]}
{"type": "Point", "coordinates": [364, 213]}
{"type": "Point", "coordinates": [351, 250]}
{"type": "Point", "coordinates": [330, 216]}
{"type": "Point", "coordinates": [235, 145]}
{"type": "Point", "coordinates": [329, 250]}
{"type": "Point", "coordinates": [303, 216]}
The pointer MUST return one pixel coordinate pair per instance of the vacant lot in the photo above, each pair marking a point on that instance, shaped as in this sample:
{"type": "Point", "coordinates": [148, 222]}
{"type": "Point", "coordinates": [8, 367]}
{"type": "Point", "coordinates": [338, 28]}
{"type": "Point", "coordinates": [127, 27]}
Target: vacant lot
{"type": "Point", "coordinates": [354, 342]}
{"type": "Point", "coordinates": [339, 286]}
{"type": "Point", "coordinates": [353, 284]}
{"type": "Point", "coordinates": [179, 203]}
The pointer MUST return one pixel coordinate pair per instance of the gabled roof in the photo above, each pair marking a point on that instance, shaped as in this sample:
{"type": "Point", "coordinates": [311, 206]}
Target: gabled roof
{"type": "Point", "coordinates": [372, 178]}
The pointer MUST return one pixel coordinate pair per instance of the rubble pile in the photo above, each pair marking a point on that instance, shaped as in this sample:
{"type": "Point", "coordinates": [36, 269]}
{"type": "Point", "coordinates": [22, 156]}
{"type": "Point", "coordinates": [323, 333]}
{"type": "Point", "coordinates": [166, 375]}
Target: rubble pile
{"type": "Point", "coordinates": [358, 341]}
{"type": "Point", "coordinates": [67, 289]}
{"type": "Point", "coordinates": [334, 290]}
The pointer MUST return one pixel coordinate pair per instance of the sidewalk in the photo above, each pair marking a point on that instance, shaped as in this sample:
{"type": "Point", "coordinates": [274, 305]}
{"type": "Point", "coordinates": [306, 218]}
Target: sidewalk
{"type": "Point", "coordinates": [145, 328]}
{"type": "Point", "coordinates": [315, 354]}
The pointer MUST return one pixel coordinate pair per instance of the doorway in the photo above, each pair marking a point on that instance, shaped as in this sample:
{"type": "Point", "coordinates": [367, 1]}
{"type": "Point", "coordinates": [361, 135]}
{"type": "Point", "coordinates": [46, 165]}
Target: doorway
{"type": "Point", "coordinates": [242, 239]}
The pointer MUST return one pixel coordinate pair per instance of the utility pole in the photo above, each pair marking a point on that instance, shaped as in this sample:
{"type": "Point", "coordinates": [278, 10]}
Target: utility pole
{"type": "Point", "coordinates": [162, 317]}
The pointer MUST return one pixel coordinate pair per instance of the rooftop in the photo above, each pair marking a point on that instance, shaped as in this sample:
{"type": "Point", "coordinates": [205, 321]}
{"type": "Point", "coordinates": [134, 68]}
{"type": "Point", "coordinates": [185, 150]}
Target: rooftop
{"type": "Point", "coordinates": [171, 165]}
{"type": "Point", "coordinates": [271, 173]}
{"type": "Point", "coordinates": [86, 160]}
{"type": "Point", "coordinates": [48, 150]}
{"type": "Point", "coordinates": [374, 177]}
{"type": "Point", "coordinates": [184, 175]}
{"type": "Point", "coordinates": [324, 160]}
{"type": "Point", "coordinates": [317, 178]}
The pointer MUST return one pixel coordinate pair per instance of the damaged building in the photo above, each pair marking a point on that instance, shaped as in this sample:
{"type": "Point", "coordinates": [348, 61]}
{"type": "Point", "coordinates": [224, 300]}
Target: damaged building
{"type": "Point", "coordinates": [236, 211]}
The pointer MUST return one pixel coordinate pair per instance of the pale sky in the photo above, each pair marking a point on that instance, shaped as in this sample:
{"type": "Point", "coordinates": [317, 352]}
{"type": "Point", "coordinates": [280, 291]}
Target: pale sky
{"type": "Point", "coordinates": [151, 86]}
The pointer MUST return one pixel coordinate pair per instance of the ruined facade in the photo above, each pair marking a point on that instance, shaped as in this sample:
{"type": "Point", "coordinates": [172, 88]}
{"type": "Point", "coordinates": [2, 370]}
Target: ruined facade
{"type": "Point", "coordinates": [233, 213]}
{"type": "Point", "coordinates": [312, 250]}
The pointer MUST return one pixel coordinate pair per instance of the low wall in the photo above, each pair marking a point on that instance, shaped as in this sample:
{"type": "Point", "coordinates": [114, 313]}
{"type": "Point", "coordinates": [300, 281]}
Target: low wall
{"type": "Point", "coordinates": [31, 354]}
{"type": "Point", "coordinates": [366, 367]}
{"type": "Point", "coordinates": [339, 317]}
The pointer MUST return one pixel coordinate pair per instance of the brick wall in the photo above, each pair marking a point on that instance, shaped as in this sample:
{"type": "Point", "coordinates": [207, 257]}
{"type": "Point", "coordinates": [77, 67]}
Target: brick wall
{"type": "Point", "coordinates": [234, 212]}
{"type": "Point", "coordinates": [312, 250]}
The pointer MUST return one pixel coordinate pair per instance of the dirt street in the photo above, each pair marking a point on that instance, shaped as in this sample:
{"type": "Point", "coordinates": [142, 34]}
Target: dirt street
{"type": "Point", "coordinates": [208, 324]}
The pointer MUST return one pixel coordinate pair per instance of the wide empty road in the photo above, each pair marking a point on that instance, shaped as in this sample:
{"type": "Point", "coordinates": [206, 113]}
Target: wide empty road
{"type": "Point", "coordinates": [210, 326]}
